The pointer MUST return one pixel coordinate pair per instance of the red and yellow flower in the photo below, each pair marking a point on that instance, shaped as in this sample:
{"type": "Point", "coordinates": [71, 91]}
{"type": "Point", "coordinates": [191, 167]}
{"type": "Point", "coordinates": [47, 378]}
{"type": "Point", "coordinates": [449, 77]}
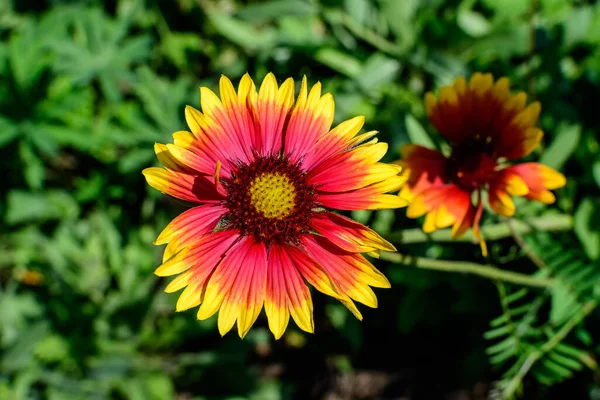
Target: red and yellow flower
{"type": "Point", "coordinates": [487, 129]}
{"type": "Point", "coordinates": [264, 170]}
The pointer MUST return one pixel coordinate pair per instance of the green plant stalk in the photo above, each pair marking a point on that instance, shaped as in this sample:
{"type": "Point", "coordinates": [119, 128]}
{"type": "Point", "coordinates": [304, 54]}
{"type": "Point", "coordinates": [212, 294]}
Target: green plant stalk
{"type": "Point", "coordinates": [547, 223]}
{"type": "Point", "coordinates": [558, 337]}
{"type": "Point", "coordinates": [486, 271]}
{"type": "Point", "coordinates": [369, 36]}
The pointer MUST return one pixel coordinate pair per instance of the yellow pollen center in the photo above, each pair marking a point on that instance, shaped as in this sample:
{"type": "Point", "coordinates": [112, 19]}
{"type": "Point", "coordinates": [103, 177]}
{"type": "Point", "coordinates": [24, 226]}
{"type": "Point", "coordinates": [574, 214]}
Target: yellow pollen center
{"type": "Point", "coordinates": [273, 195]}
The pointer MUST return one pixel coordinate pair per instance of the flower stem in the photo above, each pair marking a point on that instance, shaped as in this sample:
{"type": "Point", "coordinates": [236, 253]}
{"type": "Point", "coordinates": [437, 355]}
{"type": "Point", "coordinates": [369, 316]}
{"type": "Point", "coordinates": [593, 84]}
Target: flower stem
{"type": "Point", "coordinates": [486, 271]}
{"type": "Point", "coordinates": [560, 222]}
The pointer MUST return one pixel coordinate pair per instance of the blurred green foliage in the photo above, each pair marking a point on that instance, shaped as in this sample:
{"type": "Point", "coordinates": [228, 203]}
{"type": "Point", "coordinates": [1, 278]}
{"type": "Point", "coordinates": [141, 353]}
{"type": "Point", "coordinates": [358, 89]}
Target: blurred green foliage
{"type": "Point", "coordinates": [87, 87]}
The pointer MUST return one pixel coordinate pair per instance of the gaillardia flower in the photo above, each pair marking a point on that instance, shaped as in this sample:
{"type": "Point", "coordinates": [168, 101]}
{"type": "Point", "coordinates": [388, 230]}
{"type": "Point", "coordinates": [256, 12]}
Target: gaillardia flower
{"type": "Point", "coordinates": [487, 129]}
{"type": "Point", "coordinates": [264, 171]}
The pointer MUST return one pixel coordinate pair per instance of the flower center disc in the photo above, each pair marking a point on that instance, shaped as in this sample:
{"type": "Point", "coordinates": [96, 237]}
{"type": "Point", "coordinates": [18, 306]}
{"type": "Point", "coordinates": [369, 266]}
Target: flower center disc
{"type": "Point", "coordinates": [269, 199]}
{"type": "Point", "coordinates": [273, 195]}
{"type": "Point", "coordinates": [472, 164]}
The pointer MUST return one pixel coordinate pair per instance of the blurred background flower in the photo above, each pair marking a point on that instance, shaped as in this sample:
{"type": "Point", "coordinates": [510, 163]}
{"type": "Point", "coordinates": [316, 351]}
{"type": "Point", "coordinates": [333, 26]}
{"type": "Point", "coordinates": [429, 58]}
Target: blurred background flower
{"type": "Point", "coordinates": [86, 89]}
{"type": "Point", "coordinates": [487, 128]}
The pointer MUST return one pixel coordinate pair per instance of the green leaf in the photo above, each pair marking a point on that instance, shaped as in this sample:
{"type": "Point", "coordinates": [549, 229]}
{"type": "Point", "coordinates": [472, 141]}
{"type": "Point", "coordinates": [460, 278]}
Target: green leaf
{"type": "Point", "coordinates": [52, 348]}
{"type": "Point", "coordinates": [175, 46]}
{"type": "Point", "coordinates": [20, 353]}
{"type": "Point", "coordinates": [568, 362]}
{"type": "Point", "coordinates": [100, 50]}
{"type": "Point", "coordinates": [135, 160]}
{"type": "Point", "coordinates": [66, 104]}
{"type": "Point", "coordinates": [497, 332]}
{"type": "Point", "coordinates": [339, 61]}
{"type": "Point", "coordinates": [89, 189]}
{"type": "Point", "coordinates": [557, 369]}
{"type": "Point", "coordinates": [508, 9]}
{"type": "Point", "coordinates": [473, 23]}
{"type": "Point", "coordinates": [417, 133]}
{"type": "Point", "coordinates": [581, 355]}
{"type": "Point", "coordinates": [377, 71]}
{"type": "Point", "coordinates": [505, 346]}
{"type": "Point", "coordinates": [8, 131]}
{"type": "Point", "coordinates": [596, 172]}
{"type": "Point", "coordinates": [516, 295]}
{"type": "Point", "coordinates": [384, 219]}
{"type": "Point", "coordinates": [41, 139]}
{"type": "Point", "coordinates": [586, 217]}
{"type": "Point", "coordinates": [403, 21]}
{"type": "Point", "coordinates": [48, 205]}
{"type": "Point", "coordinates": [269, 389]}
{"type": "Point", "coordinates": [163, 100]}
{"type": "Point", "coordinates": [242, 33]}
{"type": "Point", "coordinates": [33, 168]}
{"type": "Point", "coordinates": [159, 386]}
{"type": "Point", "coordinates": [563, 303]}
{"type": "Point", "coordinates": [27, 56]}
{"type": "Point", "coordinates": [362, 216]}
{"type": "Point", "coordinates": [577, 25]}
{"type": "Point", "coordinates": [269, 10]}
{"type": "Point", "coordinates": [562, 147]}
{"type": "Point", "coordinates": [505, 41]}
{"type": "Point", "coordinates": [359, 10]}
{"type": "Point", "coordinates": [336, 314]}
{"type": "Point", "coordinates": [16, 312]}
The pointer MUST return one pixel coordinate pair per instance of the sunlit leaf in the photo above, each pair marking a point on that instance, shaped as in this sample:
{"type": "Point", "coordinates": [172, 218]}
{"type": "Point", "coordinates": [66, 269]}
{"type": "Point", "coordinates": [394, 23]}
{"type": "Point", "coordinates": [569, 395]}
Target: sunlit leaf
{"type": "Point", "coordinates": [585, 228]}
{"type": "Point", "coordinates": [416, 132]}
{"type": "Point", "coordinates": [275, 9]}
{"type": "Point", "coordinates": [25, 206]}
{"type": "Point", "coordinates": [562, 147]}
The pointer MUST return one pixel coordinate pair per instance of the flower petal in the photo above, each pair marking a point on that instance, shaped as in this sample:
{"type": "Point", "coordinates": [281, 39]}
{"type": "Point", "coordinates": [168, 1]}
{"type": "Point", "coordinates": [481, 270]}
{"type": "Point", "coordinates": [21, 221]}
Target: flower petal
{"type": "Point", "coordinates": [276, 298]}
{"type": "Point", "coordinates": [353, 169]}
{"type": "Point", "coordinates": [444, 205]}
{"type": "Point", "coordinates": [339, 139]}
{"type": "Point", "coordinates": [198, 262]}
{"type": "Point", "coordinates": [168, 160]}
{"type": "Point", "coordinates": [423, 167]}
{"type": "Point", "coordinates": [244, 300]}
{"type": "Point", "coordinates": [298, 296]}
{"type": "Point", "coordinates": [196, 189]}
{"type": "Point", "coordinates": [189, 227]}
{"type": "Point", "coordinates": [485, 110]}
{"type": "Point", "coordinates": [204, 253]}
{"type": "Point", "coordinates": [255, 281]}
{"type": "Point", "coordinates": [351, 273]}
{"type": "Point", "coordinates": [476, 230]}
{"type": "Point", "coordinates": [504, 184]}
{"type": "Point", "coordinates": [212, 139]}
{"type": "Point", "coordinates": [310, 119]}
{"type": "Point", "coordinates": [347, 234]}
{"type": "Point", "coordinates": [444, 113]}
{"type": "Point", "coordinates": [312, 272]}
{"type": "Point", "coordinates": [371, 197]}
{"type": "Point", "coordinates": [539, 179]}
{"type": "Point", "coordinates": [274, 105]}
{"type": "Point", "coordinates": [238, 116]}
{"type": "Point", "coordinates": [518, 142]}
{"type": "Point", "coordinates": [221, 283]}
{"type": "Point", "coordinates": [191, 160]}
{"type": "Point", "coordinates": [464, 221]}
{"type": "Point", "coordinates": [501, 202]}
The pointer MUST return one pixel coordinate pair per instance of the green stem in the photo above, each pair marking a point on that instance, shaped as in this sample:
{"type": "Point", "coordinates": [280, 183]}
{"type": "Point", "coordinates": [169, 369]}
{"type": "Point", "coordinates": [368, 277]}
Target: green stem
{"type": "Point", "coordinates": [560, 222]}
{"type": "Point", "coordinates": [370, 36]}
{"type": "Point", "coordinates": [486, 271]}
{"type": "Point", "coordinates": [547, 347]}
